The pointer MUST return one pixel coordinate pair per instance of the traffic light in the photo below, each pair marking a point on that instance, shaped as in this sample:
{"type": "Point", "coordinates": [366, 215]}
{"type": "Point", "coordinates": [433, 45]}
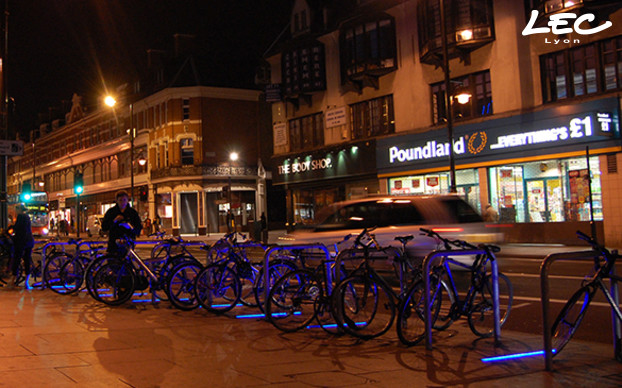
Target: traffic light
{"type": "Point", "coordinates": [78, 183]}
{"type": "Point", "coordinates": [144, 196]}
{"type": "Point", "coordinates": [26, 192]}
{"type": "Point", "coordinates": [224, 194]}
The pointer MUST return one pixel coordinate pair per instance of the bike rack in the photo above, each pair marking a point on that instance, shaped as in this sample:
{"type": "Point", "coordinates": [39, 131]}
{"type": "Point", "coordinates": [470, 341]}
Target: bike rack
{"type": "Point", "coordinates": [427, 261]}
{"type": "Point", "coordinates": [544, 285]}
{"type": "Point", "coordinates": [278, 248]}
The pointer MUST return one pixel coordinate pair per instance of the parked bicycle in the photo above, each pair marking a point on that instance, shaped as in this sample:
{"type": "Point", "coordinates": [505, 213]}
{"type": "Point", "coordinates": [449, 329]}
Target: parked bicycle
{"type": "Point", "coordinates": [446, 303]}
{"type": "Point", "coordinates": [571, 315]}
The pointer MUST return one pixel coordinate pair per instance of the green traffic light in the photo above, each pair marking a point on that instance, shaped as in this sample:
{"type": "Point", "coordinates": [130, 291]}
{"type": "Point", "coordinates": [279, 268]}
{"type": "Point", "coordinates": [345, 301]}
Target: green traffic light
{"type": "Point", "coordinates": [27, 196]}
{"type": "Point", "coordinates": [79, 189]}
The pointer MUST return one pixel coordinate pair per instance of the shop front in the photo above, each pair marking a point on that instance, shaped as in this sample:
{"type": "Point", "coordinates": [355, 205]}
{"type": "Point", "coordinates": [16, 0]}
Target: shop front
{"type": "Point", "coordinates": [534, 169]}
{"type": "Point", "coordinates": [317, 179]}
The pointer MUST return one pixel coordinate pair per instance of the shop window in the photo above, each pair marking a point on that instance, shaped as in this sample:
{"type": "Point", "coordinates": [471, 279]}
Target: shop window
{"type": "Point", "coordinates": [187, 151]}
{"type": "Point", "coordinates": [480, 103]}
{"type": "Point", "coordinates": [368, 49]}
{"type": "Point", "coordinates": [584, 70]}
{"type": "Point", "coordinates": [306, 132]}
{"type": "Point", "coordinates": [372, 118]}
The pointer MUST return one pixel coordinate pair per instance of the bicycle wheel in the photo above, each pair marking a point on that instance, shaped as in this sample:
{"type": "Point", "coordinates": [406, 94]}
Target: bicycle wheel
{"type": "Point", "coordinates": [446, 313]}
{"type": "Point", "coordinates": [276, 269]}
{"type": "Point", "coordinates": [113, 283]}
{"type": "Point", "coordinates": [363, 307]}
{"type": "Point", "coordinates": [167, 269]}
{"type": "Point", "coordinates": [90, 271]}
{"type": "Point", "coordinates": [570, 317]}
{"type": "Point", "coordinates": [160, 251]}
{"type": "Point", "coordinates": [217, 288]}
{"type": "Point", "coordinates": [71, 276]}
{"type": "Point", "coordinates": [52, 270]}
{"type": "Point", "coordinates": [247, 274]}
{"type": "Point", "coordinates": [411, 312]}
{"type": "Point", "coordinates": [481, 314]}
{"type": "Point", "coordinates": [292, 299]}
{"type": "Point", "coordinates": [181, 285]}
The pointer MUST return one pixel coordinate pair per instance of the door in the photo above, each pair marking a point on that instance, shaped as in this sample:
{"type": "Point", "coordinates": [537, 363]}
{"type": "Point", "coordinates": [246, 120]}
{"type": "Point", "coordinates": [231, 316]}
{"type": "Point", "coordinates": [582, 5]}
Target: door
{"type": "Point", "coordinates": [188, 213]}
{"type": "Point", "coordinates": [544, 200]}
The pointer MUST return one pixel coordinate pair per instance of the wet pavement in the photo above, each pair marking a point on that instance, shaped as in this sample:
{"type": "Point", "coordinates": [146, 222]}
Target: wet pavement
{"type": "Point", "coordinates": [50, 340]}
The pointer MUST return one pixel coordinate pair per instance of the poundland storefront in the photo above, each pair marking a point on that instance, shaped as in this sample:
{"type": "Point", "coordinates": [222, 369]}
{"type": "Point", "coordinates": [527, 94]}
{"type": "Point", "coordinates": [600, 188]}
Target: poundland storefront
{"type": "Point", "coordinates": [532, 168]}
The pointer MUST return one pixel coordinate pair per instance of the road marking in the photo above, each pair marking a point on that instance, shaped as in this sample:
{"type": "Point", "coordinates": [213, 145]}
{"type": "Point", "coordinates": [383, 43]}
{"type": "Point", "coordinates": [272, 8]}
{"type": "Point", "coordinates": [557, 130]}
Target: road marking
{"type": "Point", "coordinates": [521, 305]}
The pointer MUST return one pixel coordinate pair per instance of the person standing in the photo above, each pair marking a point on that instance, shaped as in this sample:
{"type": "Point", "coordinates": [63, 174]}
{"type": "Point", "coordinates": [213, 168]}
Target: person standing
{"type": "Point", "coordinates": [117, 215]}
{"type": "Point", "coordinates": [264, 228]}
{"type": "Point", "coordinates": [23, 242]}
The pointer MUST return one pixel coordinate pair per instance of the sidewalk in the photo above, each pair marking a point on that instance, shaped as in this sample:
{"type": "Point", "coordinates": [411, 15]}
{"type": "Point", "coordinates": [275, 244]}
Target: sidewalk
{"type": "Point", "coordinates": [49, 340]}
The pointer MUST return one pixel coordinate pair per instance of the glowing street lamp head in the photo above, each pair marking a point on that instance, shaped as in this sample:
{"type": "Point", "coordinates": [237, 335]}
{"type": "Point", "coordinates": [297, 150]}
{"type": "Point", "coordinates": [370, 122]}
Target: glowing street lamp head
{"type": "Point", "coordinates": [110, 101]}
{"type": "Point", "coordinates": [233, 156]}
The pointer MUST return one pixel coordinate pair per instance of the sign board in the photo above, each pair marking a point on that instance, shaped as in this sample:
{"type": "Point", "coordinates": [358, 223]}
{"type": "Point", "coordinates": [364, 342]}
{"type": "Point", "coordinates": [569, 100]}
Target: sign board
{"type": "Point", "coordinates": [11, 147]}
{"type": "Point", "coordinates": [335, 117]}
{"type": "Point", "coordinates": [280, 134]}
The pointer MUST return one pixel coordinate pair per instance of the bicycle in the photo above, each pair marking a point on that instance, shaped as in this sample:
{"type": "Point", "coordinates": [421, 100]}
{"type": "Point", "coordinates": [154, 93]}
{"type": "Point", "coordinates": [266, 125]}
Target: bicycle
{"type": "Point", "coordinates": [116, 278]}
{"type": "Point", "coordinates": [364, 304]}
{"type": "Point", "coordinates": [571, 315]}
{"type": "Point", "coordinates": [64, 273]}
{"type": "Point", "coordinates": [477, 304]}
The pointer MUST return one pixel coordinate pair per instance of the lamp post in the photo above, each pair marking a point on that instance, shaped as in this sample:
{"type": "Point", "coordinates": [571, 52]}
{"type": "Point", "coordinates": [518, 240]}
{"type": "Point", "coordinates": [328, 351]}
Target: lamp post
{"type": "Point", "coordinates": [233, 156]}
{"type": "Point", "coordinates": [448, 108]}
{"type": "Point", "coordinates": [111, 102]}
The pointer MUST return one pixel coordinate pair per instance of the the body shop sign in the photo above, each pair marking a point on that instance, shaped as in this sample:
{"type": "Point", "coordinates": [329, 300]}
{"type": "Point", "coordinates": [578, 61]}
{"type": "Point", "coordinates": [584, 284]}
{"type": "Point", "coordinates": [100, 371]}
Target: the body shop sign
{"type": "Point", "coordinates": [530, 134]}
{"type": "Point", "coordinates": [299, 166]}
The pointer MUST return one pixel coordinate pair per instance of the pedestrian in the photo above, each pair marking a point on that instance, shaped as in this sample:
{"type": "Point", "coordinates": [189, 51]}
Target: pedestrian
{"type": "Point", "coordinates": [115, 218]}
{"type": "Point", "coordinates": [230, 222]}
{"type": "Point", "coordinates": [491, 215]}
{"type": "Point", "coordinates": [147, 226]}
{"type": "Point", "coordinates": [264, 228]}
{"type": "Point", "coordinates": [23, 242]}
{"type": "Point", "coordinates": [51, 224]}
{"type": "Point", "coordinates": [157, 222]}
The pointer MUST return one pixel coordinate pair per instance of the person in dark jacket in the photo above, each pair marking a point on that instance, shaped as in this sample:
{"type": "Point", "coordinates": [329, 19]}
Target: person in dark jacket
{"type": "Point", "coordinates": [115, 218]}
{"type": "Point", "coordinates": [23, 242]}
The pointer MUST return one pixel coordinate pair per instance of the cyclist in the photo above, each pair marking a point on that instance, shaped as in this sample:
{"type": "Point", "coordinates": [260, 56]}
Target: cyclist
{"type": "Point", "coordinates": [117, 219]}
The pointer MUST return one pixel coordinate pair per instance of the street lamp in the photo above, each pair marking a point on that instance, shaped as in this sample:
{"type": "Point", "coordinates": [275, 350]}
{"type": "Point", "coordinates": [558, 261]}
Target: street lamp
{"type": "Point", "coordinates": [111, 102]}
{"type": "Point", "coordinates": [233, 156]}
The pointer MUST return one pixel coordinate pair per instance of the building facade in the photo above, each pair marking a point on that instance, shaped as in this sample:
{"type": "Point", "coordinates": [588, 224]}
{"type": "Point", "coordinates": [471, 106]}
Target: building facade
{"type": "Point", "coordinates": [538, 139]}
{"type": "Point", "coordinates": [181, 164]}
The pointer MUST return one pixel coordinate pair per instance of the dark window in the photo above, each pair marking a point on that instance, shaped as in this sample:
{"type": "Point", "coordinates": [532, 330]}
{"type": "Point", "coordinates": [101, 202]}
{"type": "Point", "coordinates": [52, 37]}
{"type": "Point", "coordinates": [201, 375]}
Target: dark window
{"type": "Point", "coordinates": [372, 118]}
{"type": "Point", "coordinates": [186, 109]}
{"type": "Point", "coordinates": [306, 132]}
{"type": "Point", "coordinates": [303, 69]}
{"type": "Point", "coordinates": [187, 151]}
{"type": "Point", "coordinates": [583, 70]}
{"type": "Point", "coordinates": [480, 104]}
{"type": "Point", "coordinates": [368, 48]}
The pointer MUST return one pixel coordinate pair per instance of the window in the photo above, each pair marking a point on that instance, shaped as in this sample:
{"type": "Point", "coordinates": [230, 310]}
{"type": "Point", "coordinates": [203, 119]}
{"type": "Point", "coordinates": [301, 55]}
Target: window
{"type": "Point", "coordinates": [368, 49]}
{"type": "Point", "coordinates": [304, 69]}
{"type": "Point", "coordinates": [186, 109]}
{"type": "Point", "coordinates": [583, 70]}
{"type": "Point", "coordinates": [372, 118]}
{"type": "Point", "coordinates": [306, 132]}
{"type": "Point", "coordinates": [480, 104]}
{"type": "Point", "coordinates": [187, 151]}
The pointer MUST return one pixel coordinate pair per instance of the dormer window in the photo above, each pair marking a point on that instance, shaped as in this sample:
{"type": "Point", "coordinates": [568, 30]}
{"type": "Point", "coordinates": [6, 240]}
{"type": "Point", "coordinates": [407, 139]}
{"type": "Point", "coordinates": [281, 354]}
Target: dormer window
{"type": "Point", "coordinates": [303, 69]}
{"type": "Point", "coordinates": [300, 18]}
{"type": "Point", "coordinates": [368, 50]}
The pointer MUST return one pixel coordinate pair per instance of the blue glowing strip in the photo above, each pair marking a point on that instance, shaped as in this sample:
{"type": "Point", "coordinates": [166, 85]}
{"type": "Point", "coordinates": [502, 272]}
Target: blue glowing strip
{"type": "Point", "coordinates": [263, 315]}
{"type": "Point", "coordinates": [515, 356]}
{"type": "Point", "coordinates": [332, 325]}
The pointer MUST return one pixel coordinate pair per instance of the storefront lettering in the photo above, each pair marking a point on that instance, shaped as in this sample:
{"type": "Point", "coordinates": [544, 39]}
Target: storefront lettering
{"type": "Point", "coordinates": [578, 128]}
{"type": "Point", "coordinates": [559, 24]}
{"type": "Point", "coordinates": [308, 165]}
{"type": "Point", "coordinates": [430, 150]}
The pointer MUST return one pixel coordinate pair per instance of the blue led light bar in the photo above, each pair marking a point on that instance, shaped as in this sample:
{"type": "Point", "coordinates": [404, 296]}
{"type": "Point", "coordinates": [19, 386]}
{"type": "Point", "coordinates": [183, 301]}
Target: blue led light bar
{"type": "Point", "coordinates": [515, 356]}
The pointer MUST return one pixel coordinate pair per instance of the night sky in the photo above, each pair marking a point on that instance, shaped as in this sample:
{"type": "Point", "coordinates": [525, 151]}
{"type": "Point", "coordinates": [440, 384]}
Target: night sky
{"type": "Point", "coordinates": [61, 47]}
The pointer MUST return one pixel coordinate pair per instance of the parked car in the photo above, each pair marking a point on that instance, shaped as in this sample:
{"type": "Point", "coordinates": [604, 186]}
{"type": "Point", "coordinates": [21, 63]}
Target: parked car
{"type": "Point", "coordinates": [94, 225]}
{"type": "Point", "coordinates": [450, 215]}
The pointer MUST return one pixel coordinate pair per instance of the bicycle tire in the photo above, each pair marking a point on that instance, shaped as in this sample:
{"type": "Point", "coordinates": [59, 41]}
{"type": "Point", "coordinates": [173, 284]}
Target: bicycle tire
{"type": "Point", "coordinates": [113, 283]}
{"type": "Point", "coordinates": [363, 307]}
{"type": "Point", "coordinates": [570, 317]}
{"type": "Point", "coordinates": [71, 276]}
{"type": "Point", "coordinates": [277, 268]}
{"type": "Point", "coordinates": [247, 274]}
{"type": "Point", "coordinates": [446, 309]}
{"type": "Point", "coordinates": [166, 270]}
{"type": "Point", "coordinates": [291, 305]}
{"type": "Point", "coordinates": [52, 270]}
{"type": "Point", "coordinates": [481, 314]}
{"type": "Point", "coordinates": [90, 271]}
{"type": "Point", "coordinates": [217, 288]}
{"type": "Point", "coordinates": [411, 312]}
{"type": "Point", "coordinates": [181, 285]}
{"type": "Point", "coordinates": [34, 280]}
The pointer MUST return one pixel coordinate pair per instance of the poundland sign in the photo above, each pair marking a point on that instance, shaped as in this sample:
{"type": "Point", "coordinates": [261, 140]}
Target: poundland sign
{"type": "Point", "coordinates": [531, 134]}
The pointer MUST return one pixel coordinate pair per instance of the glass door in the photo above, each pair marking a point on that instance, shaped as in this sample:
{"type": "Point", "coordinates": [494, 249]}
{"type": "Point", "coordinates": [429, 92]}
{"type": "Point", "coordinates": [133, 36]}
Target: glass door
{"type": "Point", "coordinates": [536, 201]}
{"type": "Point", "coordinates": [545, 200]}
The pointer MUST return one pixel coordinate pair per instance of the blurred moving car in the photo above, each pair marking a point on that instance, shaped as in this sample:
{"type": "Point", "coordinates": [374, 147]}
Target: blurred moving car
{"type": "Point", "coordinates": [392, 216]}
{"type": "Point", "coordinates": [94, 225]}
